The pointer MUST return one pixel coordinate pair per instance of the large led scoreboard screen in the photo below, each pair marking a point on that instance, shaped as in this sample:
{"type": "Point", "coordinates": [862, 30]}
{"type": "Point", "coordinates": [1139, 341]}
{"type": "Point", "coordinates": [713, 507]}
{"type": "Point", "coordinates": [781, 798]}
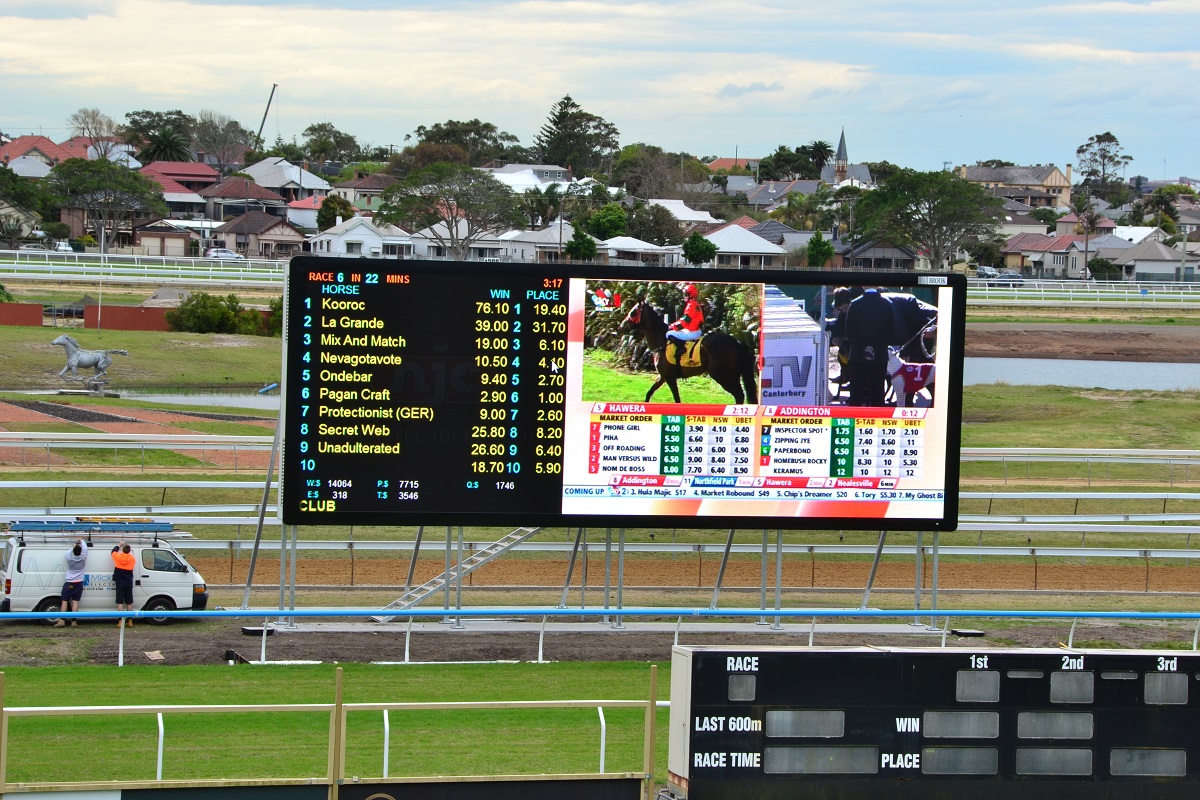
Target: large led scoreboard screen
{"type": "Point", "coordinates": [491, 393]}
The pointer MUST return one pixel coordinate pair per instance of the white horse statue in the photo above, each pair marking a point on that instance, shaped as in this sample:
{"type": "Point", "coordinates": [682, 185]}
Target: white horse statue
{"type": "Point", "coordinates": [908, 379]}
{"type": "Point", "coordinates": [78, 357]}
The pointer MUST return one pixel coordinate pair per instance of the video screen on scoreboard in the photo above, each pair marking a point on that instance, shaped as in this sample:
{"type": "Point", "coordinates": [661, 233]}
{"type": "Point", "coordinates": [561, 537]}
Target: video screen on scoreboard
{"type": "Point", "coordinates": [443, 392]}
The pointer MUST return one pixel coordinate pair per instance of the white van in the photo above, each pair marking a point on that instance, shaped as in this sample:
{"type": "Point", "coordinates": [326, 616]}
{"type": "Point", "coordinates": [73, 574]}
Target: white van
{"type": "Point", "coordinates": [32, 567]}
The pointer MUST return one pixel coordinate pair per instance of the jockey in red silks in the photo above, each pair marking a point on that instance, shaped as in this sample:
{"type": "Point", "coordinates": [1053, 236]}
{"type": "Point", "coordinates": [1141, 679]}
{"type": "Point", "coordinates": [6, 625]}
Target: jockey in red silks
{"type": "Point", "coordinates": [687, 327]}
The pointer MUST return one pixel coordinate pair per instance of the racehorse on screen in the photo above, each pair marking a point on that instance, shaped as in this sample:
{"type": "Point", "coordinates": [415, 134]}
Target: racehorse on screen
{"type": "Point", "coordinates": [730, 363]}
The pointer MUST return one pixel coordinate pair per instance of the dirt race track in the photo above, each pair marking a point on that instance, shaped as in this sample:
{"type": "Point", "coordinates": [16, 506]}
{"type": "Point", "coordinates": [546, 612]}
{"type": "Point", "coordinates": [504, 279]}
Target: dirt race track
{"type": "Point", "coordinates": [211, 643]}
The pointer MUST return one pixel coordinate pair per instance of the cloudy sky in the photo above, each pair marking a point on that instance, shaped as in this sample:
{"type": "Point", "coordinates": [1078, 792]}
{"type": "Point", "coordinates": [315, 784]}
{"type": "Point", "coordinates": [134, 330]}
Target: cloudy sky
{"type": "Point", "coordinates": [916, 82]}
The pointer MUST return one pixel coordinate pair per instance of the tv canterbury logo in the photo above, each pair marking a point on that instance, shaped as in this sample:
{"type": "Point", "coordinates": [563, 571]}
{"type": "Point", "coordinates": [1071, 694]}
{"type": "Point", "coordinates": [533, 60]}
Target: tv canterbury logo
{"type": "Point", "coordinates": [605, 301]}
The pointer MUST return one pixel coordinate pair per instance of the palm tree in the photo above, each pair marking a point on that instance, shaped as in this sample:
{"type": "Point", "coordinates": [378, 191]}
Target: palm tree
{"type": "Point", "coordinates": [542, 205]}
{"type": "Point", "coordinates": [1088, 218]}
{"type": "Point", "coordinates": [166, 144]}
{"type": "Point", "coordinates": [820, 151]}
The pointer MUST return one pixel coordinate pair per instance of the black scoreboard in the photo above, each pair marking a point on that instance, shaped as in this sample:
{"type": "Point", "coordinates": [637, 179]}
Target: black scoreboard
{"type": "Point", "coordinates": [489, 393]}
{"type": "Point", "coordinates": [804, 723]}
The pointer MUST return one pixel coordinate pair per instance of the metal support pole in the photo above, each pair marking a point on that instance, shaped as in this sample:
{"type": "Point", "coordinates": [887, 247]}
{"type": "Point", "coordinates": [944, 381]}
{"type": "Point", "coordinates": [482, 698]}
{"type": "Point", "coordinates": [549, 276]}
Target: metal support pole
{"type": "Point", "coordinates": [262, 513]}
{"type": "Point", "coordinates": [933, 602]}
{"type": "Point", "coordinates": [387, 741]}
{"type": "Point", "coordinates": [583, 577]}
{"type": "Point", "coordinates": [458, 572]}
{"type": "Point", "coordinates": [291, 623]}
{"type": "Point", "coordinates": [721, 570]}
{"type": "Point", "coordinates": [562, 601]}
{"type": "Point", "coordinates": [920, 558]}
{"type": "Point", "coordinates": [283, 556]}
{"type": "Point", "coordinates": [762, 581]}
{"type": "Point", "coordinates": [874, 569]}
{"type": "Point", "coordinates": [607, 571]}
{"type": "Point", "coordinates": [778, 577]}
{"type": "Point", "coordinates": [446, 576]}
{"type": "Point", "coordinates": [158, 770]}
{"type": "Point", "coordinates": [618, 625]}
{"type": "Point", "coordinates": [412, 565]}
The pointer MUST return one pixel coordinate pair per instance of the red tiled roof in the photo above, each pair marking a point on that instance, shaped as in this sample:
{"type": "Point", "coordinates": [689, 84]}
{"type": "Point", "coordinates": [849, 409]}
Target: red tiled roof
{"type": "Point", "coordinates": [23, 144]}
{"type": "Point", "coordinates": [167, 184]}
{"type": "Point", "coordinates": [1052, 243]}
{"type": "Point", "coordinates": [255, 222]}
{"type": "Point", "coordinates": [729, 163]}
{"type": "Point", "coordinates": [188, 170]}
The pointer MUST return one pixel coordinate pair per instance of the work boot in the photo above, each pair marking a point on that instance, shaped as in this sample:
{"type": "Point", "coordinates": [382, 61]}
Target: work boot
{"type": "Point", "coordinates": [131, 622]}
{"type": "Point", "coordinates": [121, 622]}
{"type": "Point", "coordinates": [74, 624]}
{"type": "Point", "coordinates": [60, 624]}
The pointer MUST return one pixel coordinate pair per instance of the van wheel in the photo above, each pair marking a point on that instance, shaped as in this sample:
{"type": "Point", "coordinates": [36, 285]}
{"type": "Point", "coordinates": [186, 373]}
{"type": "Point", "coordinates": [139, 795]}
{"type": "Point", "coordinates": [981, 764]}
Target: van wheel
{"type": "Point", "coordinates": [49, 604]}
{"type": "Point", "coordinates": [160, 604]}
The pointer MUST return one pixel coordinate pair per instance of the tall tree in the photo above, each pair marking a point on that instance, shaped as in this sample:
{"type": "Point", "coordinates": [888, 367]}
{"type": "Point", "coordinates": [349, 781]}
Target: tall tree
{"type": "Point", "coordinates": [422, 155]}
{"type": "Point", "coordinates": [937, 212]}
{"type": "Point", "coordinates": [654, 224]}
{"type": "Point", "coordinates": [648, 171]}
{"type": "Point", "coordinates": [576, 139]}
{"type": "Point", "coordinates": [581, 247]}
{"type": "Point", "coordinates": [1101, 160]}
{"type": "Point", "coordinates": [165, 144]}
{"type": "Point", "coordinates": [333, 207]}
{"type": "Point", "coordinates": [96, 126]}
{"type": "Point", "coordinates": [787, 164]}
{"type": "Point", "coordinates": [223, 140]}
{"type": "Point", "coordinates": [608, 221]}
{"type": "Point", "coordinates": [482, 142]}
{"type": "Point", "coordinates": [542, 205]}
{"type": "Point", "coordinates": [698, 250]}
{"type": "Point", "coordinates": [468, 203]}
{"type": "Point", "coordinates": [139, 125]}
{"type": "Point", "coordinates": [820, 151]}
{"type": "Point", "coordinates": [324, 142]}
{"type": "Point", "coordinates": [820, 251]}
{"type": "Point", "coordinates": [107, 192]}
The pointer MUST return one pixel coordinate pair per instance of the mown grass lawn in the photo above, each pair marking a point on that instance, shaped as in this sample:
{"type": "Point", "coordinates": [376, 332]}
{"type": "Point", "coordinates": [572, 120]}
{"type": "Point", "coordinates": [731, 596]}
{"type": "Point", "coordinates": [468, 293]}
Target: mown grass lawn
{"type": "Point", "coordinates": [294, 744]}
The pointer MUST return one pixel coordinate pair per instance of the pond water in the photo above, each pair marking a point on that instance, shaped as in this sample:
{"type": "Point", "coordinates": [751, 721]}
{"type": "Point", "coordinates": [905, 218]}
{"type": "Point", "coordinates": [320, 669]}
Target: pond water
{"type": "Point", "coordinates": [264, 402]}
{"type": "Point", "coordinates": [1015, 371]}
{"type": "Point", "coordinates": [1085, 374]}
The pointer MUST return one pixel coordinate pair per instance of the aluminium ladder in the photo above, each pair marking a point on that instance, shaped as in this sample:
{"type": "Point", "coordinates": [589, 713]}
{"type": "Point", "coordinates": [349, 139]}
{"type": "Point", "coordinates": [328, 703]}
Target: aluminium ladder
{"type": "Point", "coordinates": [493, 551]}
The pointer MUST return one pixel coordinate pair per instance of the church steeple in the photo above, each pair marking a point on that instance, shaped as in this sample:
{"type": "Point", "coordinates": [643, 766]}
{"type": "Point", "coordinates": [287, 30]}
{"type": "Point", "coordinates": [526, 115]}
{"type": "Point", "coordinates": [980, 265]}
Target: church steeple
{"type": "Point", "coordinates": [841, 161]}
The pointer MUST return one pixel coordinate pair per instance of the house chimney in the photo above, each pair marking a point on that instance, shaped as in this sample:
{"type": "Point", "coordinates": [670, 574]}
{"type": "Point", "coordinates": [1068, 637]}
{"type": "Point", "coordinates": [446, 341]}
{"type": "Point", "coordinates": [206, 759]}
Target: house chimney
{"type": "Point", "coordinates": [1068, 173]}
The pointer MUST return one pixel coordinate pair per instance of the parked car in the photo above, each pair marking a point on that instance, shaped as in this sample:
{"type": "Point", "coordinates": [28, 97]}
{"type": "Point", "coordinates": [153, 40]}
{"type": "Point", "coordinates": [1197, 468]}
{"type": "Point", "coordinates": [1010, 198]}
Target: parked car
{"type": "Point", "coordinates": [41, 247]}
{"type": "Point", "coordinates": [1007, 279]}
{"type": "Point", "coordinates": [223, 253]}
{"type": "Point", "coordinates": [63, 247]}
{"type": "Point", "coordinates": [986, 272]}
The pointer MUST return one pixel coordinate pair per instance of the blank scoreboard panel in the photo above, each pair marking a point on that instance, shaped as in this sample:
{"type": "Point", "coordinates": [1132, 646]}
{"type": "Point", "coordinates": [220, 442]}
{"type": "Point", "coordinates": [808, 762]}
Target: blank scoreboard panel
{"type": "Point", "coordinates": [480, 393]}
{"type": "Point", "coordinates": [805, 723]}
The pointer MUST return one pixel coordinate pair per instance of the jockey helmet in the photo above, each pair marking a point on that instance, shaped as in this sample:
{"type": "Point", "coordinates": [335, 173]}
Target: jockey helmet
{"type": "Point", "coordinates": [690, 291]}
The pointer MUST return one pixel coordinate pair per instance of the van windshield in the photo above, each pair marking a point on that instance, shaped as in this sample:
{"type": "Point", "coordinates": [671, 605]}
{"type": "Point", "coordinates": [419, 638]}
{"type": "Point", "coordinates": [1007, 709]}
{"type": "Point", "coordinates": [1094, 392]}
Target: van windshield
{"type": "Point", "coordinates": [6, 557]}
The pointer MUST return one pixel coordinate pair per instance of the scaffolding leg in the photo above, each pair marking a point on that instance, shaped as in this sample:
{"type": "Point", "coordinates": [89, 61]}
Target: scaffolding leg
{"type": "Point", "coordinates": [874, 569]}
{"type": "Point", "coordinates": [721, 570]}
{"type": "Point", "coordinates": [562, 602]}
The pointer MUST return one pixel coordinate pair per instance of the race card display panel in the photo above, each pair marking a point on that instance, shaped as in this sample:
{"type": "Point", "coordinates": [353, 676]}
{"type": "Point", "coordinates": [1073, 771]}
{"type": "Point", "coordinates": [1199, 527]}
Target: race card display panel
{"type": "Point", "coordinates": [538, 394]}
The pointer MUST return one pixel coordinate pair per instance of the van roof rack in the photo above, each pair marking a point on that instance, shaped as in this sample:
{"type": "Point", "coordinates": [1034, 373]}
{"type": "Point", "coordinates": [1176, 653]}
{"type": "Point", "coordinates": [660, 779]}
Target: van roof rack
{"type": "Point", "coordinates": [94, 529]}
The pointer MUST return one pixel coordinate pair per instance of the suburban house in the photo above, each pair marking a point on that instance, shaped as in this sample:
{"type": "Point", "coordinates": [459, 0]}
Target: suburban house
{"type": "Point", "coordinates": [29, 221]}
{"type": "Point", "coordinates": [1070, 224]}
{"type": "Point", "coordinates": [874, 255]}
{"type": "Point", "coordinates": [1040, 185]}
{"type": "Point", "coordinates": [785, 236]}
{"type": "Point", "coordinates": [1082, 251]}
{"type": "Point", "coordinates": [685, 216]}
{"type": "Point", "coordinates": [1151, 260]}
{"type": "Point", "coordinates": [28, 166]}
{"type": "Point", "coordinates": [737, 247]}
{"type": "Point", "coordinates": [364, 192]}
{"type": "Point", "coordinates": [236, 196]}
{"type": "Point", "coordinates": [286, 179]}
{"type": "Point", "coordinates": [1039, 255]}
{"type": "Point", "coordinates": [718, 164]}
{"type": "Point", "coordinates": [1016, 220]}
{"type": "Point", "coordinates": [427, 242]}
{"type": "Point", "coordinates": [258, 234]}
{"type": "Point", "coordinates": [1138, 233]}
{"type": "Point", "coordinates": [39, 147]}
{"type": "Point", "coordinates": [359, 236]}
{"type": "Point", "coordinates": [1189, 220]}
{"type": "Point", "coordinates": [161, 238]}
{"type": "Point", "coordinates": [630, 251]}
{"type": "Point", "coordinates": [770, 195]}
{"type": "Point", "coordinates": [303, 213]}
{"type": "Point", "coordinates": [182, 201]}
{"type": "Point", "coordinates": [190, 174]}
